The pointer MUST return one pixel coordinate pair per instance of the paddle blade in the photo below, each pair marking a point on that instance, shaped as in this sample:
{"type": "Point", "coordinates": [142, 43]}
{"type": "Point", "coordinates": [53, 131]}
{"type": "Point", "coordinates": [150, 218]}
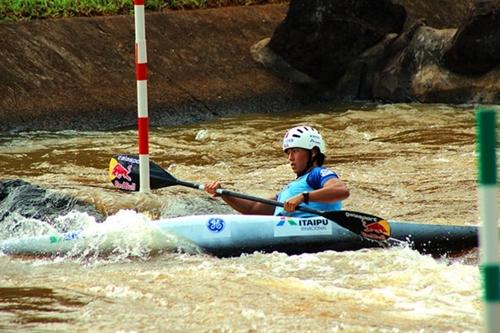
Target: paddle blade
{"type": "Point", "coordinates": [124, 174]}
{"type": "Point", "coordinates": [366, 225]}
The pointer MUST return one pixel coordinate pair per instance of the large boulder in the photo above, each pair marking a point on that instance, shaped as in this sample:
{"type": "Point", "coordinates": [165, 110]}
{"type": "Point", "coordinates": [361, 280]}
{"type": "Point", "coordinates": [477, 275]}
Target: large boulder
{"type": "Point", "coordinates": [442, 14]}
{"type": "Point", "coordinates": [475, 48]}
{"type": "Point", "coordinates": [384, 71]}
{"type": "Point", "coordinates": [18, 197]}
{"type": "Point", "coordinates": [407, 68]}
{"type": "Point", "coordinates": [361, 62]}
{"type": "Point", "coordinates": [321, 37]}
{"type": "Point", "coordinates": [416, 74]}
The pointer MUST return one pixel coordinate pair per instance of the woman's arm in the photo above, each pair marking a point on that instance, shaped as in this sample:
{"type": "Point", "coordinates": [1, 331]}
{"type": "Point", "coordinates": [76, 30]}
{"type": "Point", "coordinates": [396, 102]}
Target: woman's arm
{"type": "Point", "coordinates": [243, 206]}
{"type": "Point", "coordinates": [333, 190]}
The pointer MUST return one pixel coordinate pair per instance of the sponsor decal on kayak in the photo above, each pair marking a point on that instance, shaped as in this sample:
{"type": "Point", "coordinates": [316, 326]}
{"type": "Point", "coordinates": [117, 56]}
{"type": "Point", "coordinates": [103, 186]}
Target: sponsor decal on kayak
{"type": "Point", "coordinates": [217, 227]}
{"type": "Point", "coordinates": [55, 239]}
{"type": "Point", "coordinates": [69, 236]}
{"type": "Point", "coordinates": [292, 226]}
{"type": "Point", "coordinates": [215, 224]}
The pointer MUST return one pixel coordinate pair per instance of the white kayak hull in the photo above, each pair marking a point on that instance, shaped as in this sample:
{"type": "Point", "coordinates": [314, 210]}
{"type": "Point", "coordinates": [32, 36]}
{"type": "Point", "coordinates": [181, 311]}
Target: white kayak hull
{"type": "Point", "coordinates": [230, 235]}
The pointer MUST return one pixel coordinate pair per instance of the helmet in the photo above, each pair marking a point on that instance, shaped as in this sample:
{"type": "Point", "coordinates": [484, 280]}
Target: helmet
{"type": "Point", "coordinates": [303, 137]}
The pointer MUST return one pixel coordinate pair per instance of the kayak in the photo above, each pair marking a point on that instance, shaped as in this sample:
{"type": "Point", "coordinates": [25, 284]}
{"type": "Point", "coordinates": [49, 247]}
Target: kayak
{"type": "Point", "coordinates": [233, 235]}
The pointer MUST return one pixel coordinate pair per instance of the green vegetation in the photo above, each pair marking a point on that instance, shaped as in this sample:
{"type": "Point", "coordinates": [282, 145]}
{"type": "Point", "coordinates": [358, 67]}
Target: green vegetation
{"type": "Point", "coordinates": [14, 10]}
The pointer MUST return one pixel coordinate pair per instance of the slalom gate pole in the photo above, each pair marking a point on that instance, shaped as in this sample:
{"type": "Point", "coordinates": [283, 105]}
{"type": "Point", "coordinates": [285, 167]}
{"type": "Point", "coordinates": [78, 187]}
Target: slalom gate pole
{"type": "Point", "coordinates": [141, 74]}
{"type": "Point", "coordinates": [488, 238]}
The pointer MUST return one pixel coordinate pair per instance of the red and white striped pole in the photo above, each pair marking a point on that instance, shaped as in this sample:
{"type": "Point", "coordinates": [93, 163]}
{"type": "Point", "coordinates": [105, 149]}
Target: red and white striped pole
{"type": "Point", "coordinates": [141, 74]}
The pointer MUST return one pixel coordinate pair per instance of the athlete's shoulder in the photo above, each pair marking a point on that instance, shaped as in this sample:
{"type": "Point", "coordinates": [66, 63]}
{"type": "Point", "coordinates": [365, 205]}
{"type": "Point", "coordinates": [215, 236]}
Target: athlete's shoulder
{"type": "Point", "coordinates": [322, 172]}
{"type": "Point", "coordinates": [319, 175]}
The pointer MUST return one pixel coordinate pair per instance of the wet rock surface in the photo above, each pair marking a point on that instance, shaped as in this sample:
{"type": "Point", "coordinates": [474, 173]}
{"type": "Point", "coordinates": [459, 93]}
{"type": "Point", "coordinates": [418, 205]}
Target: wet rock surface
{"type": "Point", "coordinates": [321, 37]}
{"type": "Point", "coordinates": [475, 48]}
{"type": "Point", "coordinates": [20, 198]}
{"type": "Point", "coordinates": [368, 50]}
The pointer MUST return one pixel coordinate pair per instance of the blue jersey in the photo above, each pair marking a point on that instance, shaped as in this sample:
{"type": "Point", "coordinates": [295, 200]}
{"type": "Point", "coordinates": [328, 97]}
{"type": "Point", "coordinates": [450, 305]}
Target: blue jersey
{"type": "Point", "coordinates": [313, 180]}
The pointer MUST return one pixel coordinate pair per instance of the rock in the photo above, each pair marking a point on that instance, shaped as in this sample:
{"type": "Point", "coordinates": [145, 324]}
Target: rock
{"type": "Point", "coordinates": [306, 88]}
{"type": "Point", "coordinates": [403, 66]}
{"type": "Point", "coordinates": [262, 53]}
{"type": "Point", "coordinates": [442, 14]}
{"type": "Point", "coordinates": [31, 201]}
{"type": "Point", "coordinates": [415, 74]}
{"type": "Point", "coordinates": [321, 37]}
{"type": "Point", "coordinates": [383, 70]}
{"type": "Point", "coordinates": [393, 80]}
{"type": "Point", "coordinates": [475, 48]}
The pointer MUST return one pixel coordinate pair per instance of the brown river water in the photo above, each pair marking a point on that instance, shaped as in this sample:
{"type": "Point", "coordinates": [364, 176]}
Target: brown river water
{"type": "Point", "coordinates": [404, 162]}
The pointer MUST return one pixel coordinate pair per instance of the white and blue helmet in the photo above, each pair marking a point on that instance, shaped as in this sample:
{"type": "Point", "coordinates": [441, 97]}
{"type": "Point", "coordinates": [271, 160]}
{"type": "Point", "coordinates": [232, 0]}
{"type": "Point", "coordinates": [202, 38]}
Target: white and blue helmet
{"type": "Point", "coordinates": [304, 137]}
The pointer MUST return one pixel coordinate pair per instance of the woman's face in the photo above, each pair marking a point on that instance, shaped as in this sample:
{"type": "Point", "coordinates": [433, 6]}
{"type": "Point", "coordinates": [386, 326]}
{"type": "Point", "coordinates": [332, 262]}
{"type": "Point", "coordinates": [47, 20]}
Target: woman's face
{"type": "Point", "coordinates": [298, 158]}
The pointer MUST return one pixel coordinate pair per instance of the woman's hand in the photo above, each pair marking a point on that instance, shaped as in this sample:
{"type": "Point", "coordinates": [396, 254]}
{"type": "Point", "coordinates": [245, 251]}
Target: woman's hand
{"type": "Point", "coordinates": [291, 204]}
{"type": "Point", "coordinates": [212, 188]}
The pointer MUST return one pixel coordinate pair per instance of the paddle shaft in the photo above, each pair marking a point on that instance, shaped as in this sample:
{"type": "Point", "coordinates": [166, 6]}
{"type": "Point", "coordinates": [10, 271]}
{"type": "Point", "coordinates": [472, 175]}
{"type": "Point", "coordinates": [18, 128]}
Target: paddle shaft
{"type": "Point", "coordinates": [269, 202]}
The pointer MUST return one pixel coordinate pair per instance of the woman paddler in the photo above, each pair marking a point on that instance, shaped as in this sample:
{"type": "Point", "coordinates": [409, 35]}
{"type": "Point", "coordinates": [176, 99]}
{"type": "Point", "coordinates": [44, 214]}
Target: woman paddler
{"type": "Point", "coordinates": [316, 186]}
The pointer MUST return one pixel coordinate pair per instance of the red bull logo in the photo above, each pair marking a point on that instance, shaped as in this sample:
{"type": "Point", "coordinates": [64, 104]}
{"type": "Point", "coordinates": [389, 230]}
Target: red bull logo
{"type": "Point", "coordinates": [118, 171]}
{"type": "Point", "coordinates": [379, 230]}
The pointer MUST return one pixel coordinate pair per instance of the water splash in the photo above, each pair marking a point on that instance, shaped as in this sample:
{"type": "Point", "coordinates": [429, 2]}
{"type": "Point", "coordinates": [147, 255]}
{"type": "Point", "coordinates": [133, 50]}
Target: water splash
{"type": "Point", "coordinates": [124, 236]}
{"type": "Point", "coordinates": [127, 235]}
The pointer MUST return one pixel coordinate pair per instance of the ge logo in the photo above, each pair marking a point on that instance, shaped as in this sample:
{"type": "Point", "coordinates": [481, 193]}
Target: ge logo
{"type": "Point", "coordinates": [215, 224]}
{"type": "Point", "coordinates": [71, 235]}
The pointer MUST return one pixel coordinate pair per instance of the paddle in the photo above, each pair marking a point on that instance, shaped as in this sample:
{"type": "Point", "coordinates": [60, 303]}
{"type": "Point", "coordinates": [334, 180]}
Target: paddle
{"type": "Point", "coordinates": [124, 174]}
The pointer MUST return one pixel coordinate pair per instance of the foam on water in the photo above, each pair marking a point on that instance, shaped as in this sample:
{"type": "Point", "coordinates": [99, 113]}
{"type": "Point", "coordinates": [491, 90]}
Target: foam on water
{"type": "Point", "coordinates": [122, 236]}
{"type": "Point", "coordinates": [130, 234]}
{"type": "Point", "coordinates": [15, 226]}
{"type": "Point", "coordinates": [398, 284]}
